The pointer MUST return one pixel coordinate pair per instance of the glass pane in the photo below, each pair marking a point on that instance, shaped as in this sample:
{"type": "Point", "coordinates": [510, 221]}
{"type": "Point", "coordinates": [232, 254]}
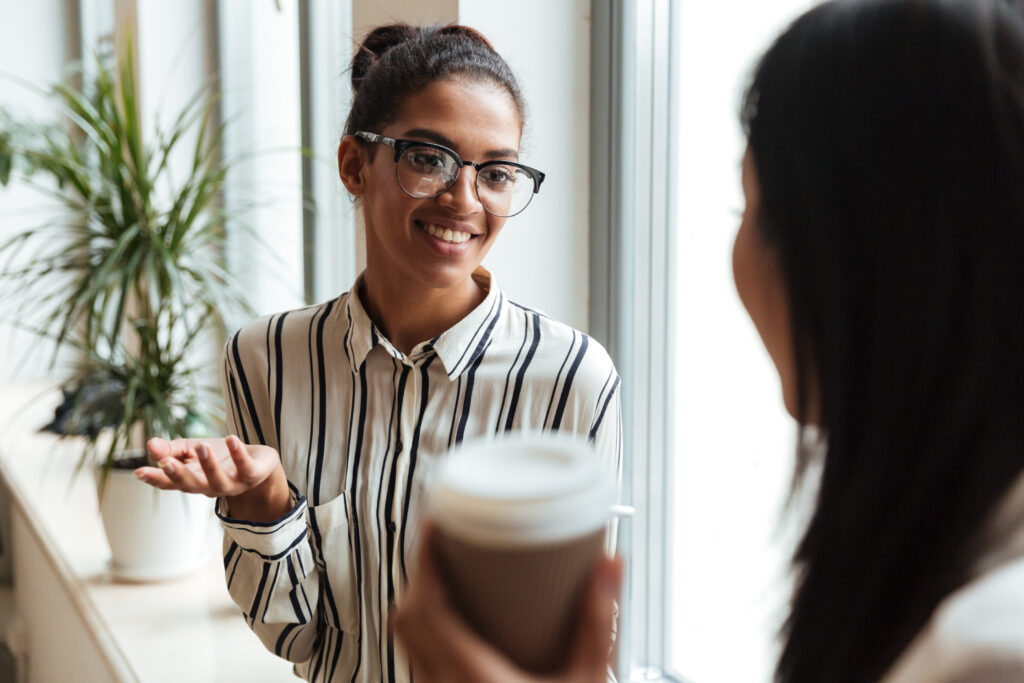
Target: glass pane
{"type": "Point", "coordinates": [734, 443]}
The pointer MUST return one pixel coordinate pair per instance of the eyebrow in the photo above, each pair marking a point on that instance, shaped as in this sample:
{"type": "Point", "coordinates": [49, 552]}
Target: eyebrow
{"type": "Point", "coordinates": [439, 139]}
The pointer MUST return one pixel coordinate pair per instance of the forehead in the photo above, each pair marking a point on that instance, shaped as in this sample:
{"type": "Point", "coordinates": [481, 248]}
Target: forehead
{"type": "Point", "coordinates": [476, 115]}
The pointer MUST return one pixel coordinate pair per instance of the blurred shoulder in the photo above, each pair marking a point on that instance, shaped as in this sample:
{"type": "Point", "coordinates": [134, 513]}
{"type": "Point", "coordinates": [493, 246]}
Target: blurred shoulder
{"type": "Point", "coordinates": [976, 634]}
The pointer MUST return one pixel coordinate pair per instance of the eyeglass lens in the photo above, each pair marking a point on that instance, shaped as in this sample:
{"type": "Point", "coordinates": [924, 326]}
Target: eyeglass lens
{"type": "Point", "coordinates": [503, 190]}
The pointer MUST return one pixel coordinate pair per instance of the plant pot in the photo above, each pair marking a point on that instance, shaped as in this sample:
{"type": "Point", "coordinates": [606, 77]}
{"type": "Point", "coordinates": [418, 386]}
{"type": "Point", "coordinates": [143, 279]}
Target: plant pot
{"type": "Point", "coordinates": [154, 535]}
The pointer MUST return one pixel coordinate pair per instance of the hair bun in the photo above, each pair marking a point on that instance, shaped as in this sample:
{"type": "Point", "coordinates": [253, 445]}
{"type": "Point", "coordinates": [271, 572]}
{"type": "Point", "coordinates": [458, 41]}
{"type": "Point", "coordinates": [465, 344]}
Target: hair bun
{"type": "Point", "coordinates": [376, 43]}
{"type": "Point", "coordinates": [466, 32]}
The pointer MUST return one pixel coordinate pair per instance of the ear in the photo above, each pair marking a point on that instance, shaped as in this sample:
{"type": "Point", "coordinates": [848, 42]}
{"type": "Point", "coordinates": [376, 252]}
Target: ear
{"type": "Point", "coordinates": [353, 165]}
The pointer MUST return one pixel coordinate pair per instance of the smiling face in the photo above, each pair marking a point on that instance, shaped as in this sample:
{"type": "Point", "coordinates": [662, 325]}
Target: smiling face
{"type": "Point", "coordinates": [434, 243]}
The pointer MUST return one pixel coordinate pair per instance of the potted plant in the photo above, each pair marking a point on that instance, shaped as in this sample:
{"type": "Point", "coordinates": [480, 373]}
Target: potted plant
{"type": "Point", "coordinates": [132, 279]}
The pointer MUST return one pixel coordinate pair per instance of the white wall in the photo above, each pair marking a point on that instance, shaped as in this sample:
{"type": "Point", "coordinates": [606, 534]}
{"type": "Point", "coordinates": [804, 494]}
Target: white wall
{"type": "Point", "coordinates": [34, 46]}
{"type": "Point", "coordinates": [541, 259]}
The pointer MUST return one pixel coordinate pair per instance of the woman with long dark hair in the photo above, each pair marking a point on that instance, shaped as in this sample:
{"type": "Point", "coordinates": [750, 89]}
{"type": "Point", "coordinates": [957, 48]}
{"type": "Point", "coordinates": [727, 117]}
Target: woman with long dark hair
{"type": "Point", "coordinates": [341, 409]}
{"type": "Point", "coordinates": [881, 258]}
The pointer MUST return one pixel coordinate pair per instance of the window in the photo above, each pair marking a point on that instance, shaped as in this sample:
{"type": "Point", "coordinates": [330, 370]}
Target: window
{"type": "Point", "coordinates": [709, 446]}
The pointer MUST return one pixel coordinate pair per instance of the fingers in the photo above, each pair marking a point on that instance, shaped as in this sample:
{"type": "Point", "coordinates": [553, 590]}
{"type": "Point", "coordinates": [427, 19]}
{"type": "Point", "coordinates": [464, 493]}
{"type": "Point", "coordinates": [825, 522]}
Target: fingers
{"type": "Point", "coordinates": [158, 449]}
{"type": "Point", "coordinates": [245, 468]}
{"type": "Point", "coordinates": [218, 483]}
{"type": "Point", "coordinates": [154, 476]}
{"type": "Point", "coordinates": [588, 660]}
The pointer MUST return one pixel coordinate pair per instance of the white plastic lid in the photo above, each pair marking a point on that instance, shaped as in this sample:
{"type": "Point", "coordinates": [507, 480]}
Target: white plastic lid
{"type": "Point", "coordinates": [522, 490]}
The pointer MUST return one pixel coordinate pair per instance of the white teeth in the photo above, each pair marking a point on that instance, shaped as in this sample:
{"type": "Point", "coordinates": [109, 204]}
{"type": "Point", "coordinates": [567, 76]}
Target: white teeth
{"type": "Point", "coordinates": [446, 234]}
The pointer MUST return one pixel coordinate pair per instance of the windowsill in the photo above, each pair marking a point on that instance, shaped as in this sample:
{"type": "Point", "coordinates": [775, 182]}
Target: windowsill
{"type": "Point", "coordinates": [182, 629]}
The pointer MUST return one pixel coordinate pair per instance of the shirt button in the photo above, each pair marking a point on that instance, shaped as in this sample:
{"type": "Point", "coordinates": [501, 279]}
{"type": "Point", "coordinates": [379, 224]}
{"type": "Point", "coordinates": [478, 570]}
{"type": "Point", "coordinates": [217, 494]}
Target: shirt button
{"type": "Point", "coordinates": [399, 446]}
{"type": "Point", "coordinates": [392, 527]}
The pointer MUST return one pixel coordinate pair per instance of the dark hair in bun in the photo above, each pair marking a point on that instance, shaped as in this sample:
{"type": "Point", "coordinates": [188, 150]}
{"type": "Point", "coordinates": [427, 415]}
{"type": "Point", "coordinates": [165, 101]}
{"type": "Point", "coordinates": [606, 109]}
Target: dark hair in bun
{"type": "Point", "coordinates": [399, 60]}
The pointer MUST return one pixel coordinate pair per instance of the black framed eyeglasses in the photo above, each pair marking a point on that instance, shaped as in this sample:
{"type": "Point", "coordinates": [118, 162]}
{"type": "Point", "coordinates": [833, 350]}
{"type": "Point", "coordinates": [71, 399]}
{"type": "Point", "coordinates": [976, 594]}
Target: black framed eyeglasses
{"type": "Point", "coordinates": [426, 169]}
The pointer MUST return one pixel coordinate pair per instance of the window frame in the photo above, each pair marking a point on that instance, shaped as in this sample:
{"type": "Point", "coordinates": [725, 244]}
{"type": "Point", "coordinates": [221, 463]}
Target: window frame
{"type": "Point", "coordinates": [632, 306]}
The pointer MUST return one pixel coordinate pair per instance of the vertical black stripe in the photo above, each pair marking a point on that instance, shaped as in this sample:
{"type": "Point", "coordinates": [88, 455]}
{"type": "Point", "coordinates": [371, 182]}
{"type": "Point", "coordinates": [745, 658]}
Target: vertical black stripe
{"type": "Point", "coordinates": [270, 366]}
{"type": "Point", "coordinates": [394, 427]}
{"type": "Point", "coordinates": [424, 397]}
{"type": "Point", "coordinates": [281, 638]}
{"type": "Point", "coordinates": [270, 592]}
{"type": "Point", "coordinates": [305, 601]}
{"type": "Point", "coordinates": [320, 651]}
{"type": "Point", "coordinates": [486, 338]}
{"type": "Point", "coordinates": [522, 373]}
{"type": "Point", "coordinates": [455, 413]}
{"type": "Point", "coordinates": [312, 402]}
{"type": "Point", "coordinates": [568, 383]}
{"type": "Point", "coordinates": [338, 643]}
{"type": "Point", "coordinates": [356, 530]}
{"type": "Point", "coordinates": [239, 419]}
{"type": "Point", "coordinates": [246, 391]}
{"type": "Point", "coordinates": [467, 403]}
{"type": "Point", "coordinates": [326, 594]}
{"type": "Point", "coordinates": [322, 413]}
{"type": "Point", "coordinates": [278, 379]}
{"type": "Point", "coordinates": [483, 322]}
{"type": "Point", "coordinates": [600, 417]}
{"type": "Point", "coordinates": [554, 387]}
{"type": "Point", "coordinates": [389, 501]}
{"type": "Point", "coordinates": [235, 569]}
{"type": "Point", "coordinates": [508, 376]}
{"type": "Point", "coordinates": [259, 593]}
{"type": "Point", "coordinates": [229, 554]}
{"type": "Point", "coordinates": [293, 593]}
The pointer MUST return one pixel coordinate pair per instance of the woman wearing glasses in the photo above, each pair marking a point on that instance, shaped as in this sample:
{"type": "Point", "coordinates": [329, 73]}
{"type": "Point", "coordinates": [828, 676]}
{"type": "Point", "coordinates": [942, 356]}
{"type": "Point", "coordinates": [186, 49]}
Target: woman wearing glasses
{"type": "Point", "coordinates": [341, 409]}
{"type": "Point", "coordinates": [880, 258]}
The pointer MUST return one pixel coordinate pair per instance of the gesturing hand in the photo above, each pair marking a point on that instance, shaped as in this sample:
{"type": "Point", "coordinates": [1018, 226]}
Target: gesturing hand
{"type": "Point", "coordinates": [212, 467]}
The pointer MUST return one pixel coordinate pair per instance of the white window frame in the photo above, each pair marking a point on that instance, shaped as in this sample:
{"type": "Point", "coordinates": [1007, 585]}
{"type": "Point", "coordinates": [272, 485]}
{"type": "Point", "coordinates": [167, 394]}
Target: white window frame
{"type": "Point", "coordinates": [632, 298]}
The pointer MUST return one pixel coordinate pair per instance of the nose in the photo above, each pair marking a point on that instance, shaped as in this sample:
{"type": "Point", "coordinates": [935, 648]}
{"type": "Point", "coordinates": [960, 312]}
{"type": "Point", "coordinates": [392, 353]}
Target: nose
{"type": "Point", "coordinates": [461, 197]}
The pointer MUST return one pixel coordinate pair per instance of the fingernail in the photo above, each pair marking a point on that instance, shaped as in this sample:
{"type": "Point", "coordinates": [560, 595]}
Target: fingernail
{"type": "Point", "coordinates": [140, 475]}
{"type": "Point", "coordinates": [233, 442]}
{"type": "Point", "coordinates": [202, 452]}
{"type": "Point", "coordinates": [167, 465]}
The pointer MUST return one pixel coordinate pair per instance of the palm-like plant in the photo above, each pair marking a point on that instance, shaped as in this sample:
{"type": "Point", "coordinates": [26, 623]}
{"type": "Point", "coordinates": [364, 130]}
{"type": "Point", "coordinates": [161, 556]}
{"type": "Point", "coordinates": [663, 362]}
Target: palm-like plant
{"type": "Point", "coordinates": [133, 276]}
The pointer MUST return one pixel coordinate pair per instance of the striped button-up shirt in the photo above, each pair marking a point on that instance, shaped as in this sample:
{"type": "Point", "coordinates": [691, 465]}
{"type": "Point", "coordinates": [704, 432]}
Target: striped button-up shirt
{"type": "Point", "coordinates": [358, 425]}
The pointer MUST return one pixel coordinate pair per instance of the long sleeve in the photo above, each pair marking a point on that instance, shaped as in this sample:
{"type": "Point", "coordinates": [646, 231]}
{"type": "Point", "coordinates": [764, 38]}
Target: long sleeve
{"type": "Point", "coordinates": [272, 577]}
{"type": "Point", "coordinates": [269, 568]}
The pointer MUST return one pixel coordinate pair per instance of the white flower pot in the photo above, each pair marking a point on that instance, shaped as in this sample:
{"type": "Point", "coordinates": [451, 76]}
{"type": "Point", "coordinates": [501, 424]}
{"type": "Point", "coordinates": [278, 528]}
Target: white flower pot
{"type": "Point", "coordinates": [153, 534]}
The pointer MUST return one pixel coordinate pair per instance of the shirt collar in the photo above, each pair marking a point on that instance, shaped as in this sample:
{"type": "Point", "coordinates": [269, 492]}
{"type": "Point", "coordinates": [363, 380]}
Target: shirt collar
{"type": "Point", "coordinates": [458, 348]}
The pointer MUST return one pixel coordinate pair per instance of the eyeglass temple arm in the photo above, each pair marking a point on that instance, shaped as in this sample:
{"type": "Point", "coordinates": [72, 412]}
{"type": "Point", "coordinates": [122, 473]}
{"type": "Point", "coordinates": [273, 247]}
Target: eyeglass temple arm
{"type": "Point", "coordinates": [373, 137]}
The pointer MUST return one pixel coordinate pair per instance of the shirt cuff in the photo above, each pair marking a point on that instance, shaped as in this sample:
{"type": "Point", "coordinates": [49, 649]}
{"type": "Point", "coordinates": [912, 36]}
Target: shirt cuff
{"type": "Point", "coordinates": [270, 540]}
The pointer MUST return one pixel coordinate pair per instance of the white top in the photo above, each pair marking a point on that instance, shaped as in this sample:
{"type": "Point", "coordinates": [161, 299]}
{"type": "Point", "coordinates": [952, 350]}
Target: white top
{"type": "Point", "coordinates": [977, 633]}
{"type": "Point", "coordinates": [359, 425]}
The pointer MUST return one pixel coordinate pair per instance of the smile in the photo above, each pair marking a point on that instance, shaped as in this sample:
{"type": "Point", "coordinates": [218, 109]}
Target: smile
{"type": "Point", "coordinates": [445, 234]}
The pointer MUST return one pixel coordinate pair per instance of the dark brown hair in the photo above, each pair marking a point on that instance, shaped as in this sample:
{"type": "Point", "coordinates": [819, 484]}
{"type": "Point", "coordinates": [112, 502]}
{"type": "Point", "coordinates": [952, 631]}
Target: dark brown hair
{"type": "Point", "coordinates": [397, 61]}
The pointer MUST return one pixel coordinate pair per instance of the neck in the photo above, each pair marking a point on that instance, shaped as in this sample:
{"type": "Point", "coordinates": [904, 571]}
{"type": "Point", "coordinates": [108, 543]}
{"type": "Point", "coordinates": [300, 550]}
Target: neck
{"type": "Point", "coordinates": [410, 315]}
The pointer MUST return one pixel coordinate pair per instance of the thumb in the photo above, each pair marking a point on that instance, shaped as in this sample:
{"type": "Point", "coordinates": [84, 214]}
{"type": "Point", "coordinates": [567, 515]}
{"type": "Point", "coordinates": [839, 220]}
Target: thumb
{"type": "Point", "coordinates": [588, 659]}
{"type": "Point", "coordinates": [158, 448]}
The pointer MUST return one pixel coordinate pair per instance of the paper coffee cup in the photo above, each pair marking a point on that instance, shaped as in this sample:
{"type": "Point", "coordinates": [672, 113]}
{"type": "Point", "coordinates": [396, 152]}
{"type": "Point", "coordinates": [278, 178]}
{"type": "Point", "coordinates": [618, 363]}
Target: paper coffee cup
{"type": "Point", "coordinates": [520, 525]}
